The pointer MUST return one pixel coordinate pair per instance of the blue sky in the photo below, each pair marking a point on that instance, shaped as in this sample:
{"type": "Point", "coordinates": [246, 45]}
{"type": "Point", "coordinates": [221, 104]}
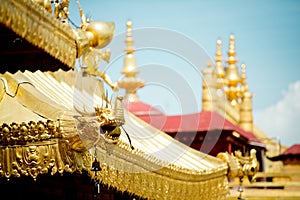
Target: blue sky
{"type": "Point", "coordinates": [267, 35]}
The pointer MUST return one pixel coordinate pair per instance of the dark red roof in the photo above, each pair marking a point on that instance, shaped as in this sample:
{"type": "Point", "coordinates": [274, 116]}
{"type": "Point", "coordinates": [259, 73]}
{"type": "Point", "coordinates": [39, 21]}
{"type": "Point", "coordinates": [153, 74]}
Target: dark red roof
{"type": "Point", "coordinates": [293, 150]}
{"type": "Point", "coordinates": [202, 121]}
{"type": "Point", "coordinates": [141, 109]}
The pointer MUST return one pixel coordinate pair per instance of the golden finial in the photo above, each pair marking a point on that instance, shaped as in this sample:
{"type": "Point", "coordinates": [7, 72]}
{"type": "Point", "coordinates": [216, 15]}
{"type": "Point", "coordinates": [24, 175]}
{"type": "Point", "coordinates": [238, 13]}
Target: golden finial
{"type": "Point", "coordinates": [232, 71]}
{"type": "Point", "coordinates": [84, 20]}
{"type": "Point", "coordinates": [231, 52]}
{"type": "Point", "coordinates": [208, 64]}
{"type": "Point", "coordinates": [244, 88]}
{"type": "Point", "coordinates": [219, 51]}
{"type": "Point", "coordinates": [219, 67]}
{"type": "Point", "coordinates": [243, 76]}
{"type": "Point", "coordinates": [130, 82]}
{"type": "Point", "coordinates": [129, 39]}
{"type": "Point", "coordinates": [129, 67]}
{"type": "Point", "coordinates": [209, 86]}
{"type": "Point", "coordinates": [232, 77]}
{"type": "Point", "coordinates": [246, 118]}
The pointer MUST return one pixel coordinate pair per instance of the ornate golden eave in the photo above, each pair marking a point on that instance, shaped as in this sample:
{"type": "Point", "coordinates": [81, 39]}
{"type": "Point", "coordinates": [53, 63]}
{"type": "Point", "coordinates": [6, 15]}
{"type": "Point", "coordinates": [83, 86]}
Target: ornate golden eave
{"type": "Point", "coordinates": [33, 23]}
{"type": "Point", "coordinates": [159, 167]}
{"type": "Point", "coordinates": [36, 148]}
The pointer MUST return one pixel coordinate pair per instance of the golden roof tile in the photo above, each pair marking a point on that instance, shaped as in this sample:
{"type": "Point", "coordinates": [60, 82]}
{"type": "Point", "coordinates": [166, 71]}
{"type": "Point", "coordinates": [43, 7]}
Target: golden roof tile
{"type": "Point", "coordinates": [158, 167]}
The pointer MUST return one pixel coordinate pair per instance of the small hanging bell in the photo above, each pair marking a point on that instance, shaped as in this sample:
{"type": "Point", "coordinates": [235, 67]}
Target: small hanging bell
{"type": "Point", "coordinates": [96, 166]}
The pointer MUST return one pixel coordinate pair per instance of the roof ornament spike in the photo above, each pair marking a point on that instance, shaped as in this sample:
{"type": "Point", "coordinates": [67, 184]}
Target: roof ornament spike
{"type": "Point", "coordinates": [209, 86]}
{"type": "Point", "coordinates": [246, 115]}
{"type": "Point", "coordinates": [130, 82]}
{"type": "Point", "coordinates": [231, 52]}
{"type": "Point", "coordinates": [209, 64]}
{"type": "Point", "coordinates": [232, 72]}
{"type": "Point", "coordinates": [243, 76]}
{"type": "Point", "coordinates": [129, 39]}
{"type": "Point", "coordinates": [244, 84]}
{"type": "Point", "coordinates": [129, 67]}
{"type": "Point", "coordinates": [84, 21]}
{"type": "Point", "coordinates": [220, 72]}
{"type": "Point", "coordinates": [219, 51]}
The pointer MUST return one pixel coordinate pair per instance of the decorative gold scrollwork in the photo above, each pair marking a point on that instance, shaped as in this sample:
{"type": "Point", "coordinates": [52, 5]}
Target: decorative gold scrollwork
{"type": "Point", "coordinates": [34, 148]}
{"type": "Point", "coordinates": [20, 134]}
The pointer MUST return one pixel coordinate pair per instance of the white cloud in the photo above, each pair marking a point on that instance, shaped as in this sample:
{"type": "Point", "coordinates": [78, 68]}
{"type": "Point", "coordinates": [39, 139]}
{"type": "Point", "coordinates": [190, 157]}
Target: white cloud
{"type": "Point", "coordinates": [282, 119]}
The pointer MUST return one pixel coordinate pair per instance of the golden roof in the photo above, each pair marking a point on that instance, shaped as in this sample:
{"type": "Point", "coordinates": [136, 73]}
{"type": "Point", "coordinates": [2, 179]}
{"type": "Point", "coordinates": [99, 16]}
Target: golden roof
{"type": "Point", "coordinates": [159, 166]}
{"type": "Point", "coordinates": [35, 38]}
{"type": "Point", "coordinates": [31, 33]}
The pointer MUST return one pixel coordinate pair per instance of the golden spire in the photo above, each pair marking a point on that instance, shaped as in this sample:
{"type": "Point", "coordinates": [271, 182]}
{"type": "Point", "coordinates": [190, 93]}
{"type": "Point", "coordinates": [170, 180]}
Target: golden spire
{"type": "Point", "coordinates": [243, 78]}
{"type": "Point", "coordinates": [232, 73]}
{"type": "Point", "coordinates": [231, 52]}
{"type": "Point", "coordinates": [232, 77]}
{"type": "Point", "coordinates": [246, 118]}
{"type": "Point", "coordinates": [129, 67]}
{"type": "Point", "coordinates": [130, 82]}
{"type": "Point", "coordinates": [209, 88]}
{"type": "Point", "coordinates": [129, 39]}
{"type": "Point", "coordinates": [219, 67]}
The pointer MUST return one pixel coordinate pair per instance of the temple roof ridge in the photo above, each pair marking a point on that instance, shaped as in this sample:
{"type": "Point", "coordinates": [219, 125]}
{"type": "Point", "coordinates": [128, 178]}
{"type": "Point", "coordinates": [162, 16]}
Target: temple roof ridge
{"type": "Point", "coordinates": [175, 161]}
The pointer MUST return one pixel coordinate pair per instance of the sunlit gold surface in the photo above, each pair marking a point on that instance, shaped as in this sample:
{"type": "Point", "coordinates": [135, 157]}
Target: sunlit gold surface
{"type": "Point", "coordinates": [34, 22]}
{"type": "Point", "coordinates": [237, 104]}
{"type": "Point", "coordinates": [242, 167]}
{"type": "Point", "coordinates": [100, 34]}
{"type": "Point", "coordinates": [35, 148]}
{"type": "Point", "coordinates": [175, 173]}
{"type": "Point", "coordinates": [130, 82]}
{"type": "Point", "coordinates": [61, 10]}
{"type": "Point", "coordinates": [220, 72]}
{"type": "Point", "coordinates": [46, 4]}
{"type": "Point", "coordinates": [91, 60]}
{"type": "Point", "coordinates": [21, 134]}
{"type": "Point", "coordinates": [232, 74]}
{"type": "Point", "coordinates": [110, 119]}
{"type": "Point", "coordinates": [40, 28]}
{"type": "Point", "coordinates": [209, 88]}
{"type": "Point", "coordinates": [39, 135]}
{"type": "Point", "coordinates": [246, 115]}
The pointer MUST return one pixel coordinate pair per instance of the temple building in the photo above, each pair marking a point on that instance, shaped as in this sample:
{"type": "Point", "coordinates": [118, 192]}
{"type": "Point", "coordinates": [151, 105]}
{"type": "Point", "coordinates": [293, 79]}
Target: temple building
{"type": "Point", "coordinates": [291, 156]}
{"type": "Point", "coordinates": [225, 123]}
{"type": "Point", "coordinates": [291, 163]}
{"type": "Point", "coordinates": [62, 136]}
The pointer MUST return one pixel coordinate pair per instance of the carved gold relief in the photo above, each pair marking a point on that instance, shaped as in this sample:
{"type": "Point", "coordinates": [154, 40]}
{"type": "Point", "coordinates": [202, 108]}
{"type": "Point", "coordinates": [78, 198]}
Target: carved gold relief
{"type": "Point", "coordinates": [29, 160]}
{"type": "Point", "coordinates": [21, 134]}
{"type": "Point", "coordinates": [34, 148]}
{"type": "Point", "coordinates": [38, 26]}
